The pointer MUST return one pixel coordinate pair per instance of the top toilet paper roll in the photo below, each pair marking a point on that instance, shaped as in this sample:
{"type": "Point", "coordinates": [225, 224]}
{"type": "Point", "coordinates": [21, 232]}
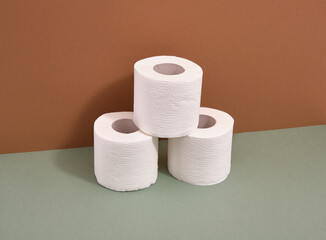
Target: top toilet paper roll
{"type": "Point", "coordinates": [167, 92]}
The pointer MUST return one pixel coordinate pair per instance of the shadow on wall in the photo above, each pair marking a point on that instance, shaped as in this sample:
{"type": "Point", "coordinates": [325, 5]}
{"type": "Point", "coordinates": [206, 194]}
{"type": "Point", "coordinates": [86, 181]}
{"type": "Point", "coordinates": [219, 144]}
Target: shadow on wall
{"type": "Point", "coordinates": [79, 162]}
{"type": "Point", "coordinates": [116, 97]}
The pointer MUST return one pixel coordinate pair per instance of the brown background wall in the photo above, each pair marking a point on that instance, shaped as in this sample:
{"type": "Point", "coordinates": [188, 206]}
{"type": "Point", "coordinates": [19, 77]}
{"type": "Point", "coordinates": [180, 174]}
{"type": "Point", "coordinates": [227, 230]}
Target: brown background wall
{"type": "Point", "coordinates": [63, 63]}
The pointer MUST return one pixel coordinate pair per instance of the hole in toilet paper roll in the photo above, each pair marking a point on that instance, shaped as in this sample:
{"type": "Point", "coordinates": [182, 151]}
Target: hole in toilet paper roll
{"type": "Point", "coordinates": [168, 68]}
{"type": "Point", "coordinates": [206, 121]}
{"type": "Point", "coordinates": [124, 126]}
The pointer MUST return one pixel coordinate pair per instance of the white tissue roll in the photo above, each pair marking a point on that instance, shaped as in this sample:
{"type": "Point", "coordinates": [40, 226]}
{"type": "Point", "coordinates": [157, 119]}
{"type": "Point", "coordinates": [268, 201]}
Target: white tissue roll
{"type": "Point", "coordinates": [204, 156]}
{"type": "Point", "coordinates": [125, 159]}
{"type": "Point", "coordinates": [167, 92]}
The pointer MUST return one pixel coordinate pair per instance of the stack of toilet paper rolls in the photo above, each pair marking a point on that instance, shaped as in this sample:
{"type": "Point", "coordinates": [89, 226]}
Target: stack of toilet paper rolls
{"type": "Point", "coordinates": [167, 93]}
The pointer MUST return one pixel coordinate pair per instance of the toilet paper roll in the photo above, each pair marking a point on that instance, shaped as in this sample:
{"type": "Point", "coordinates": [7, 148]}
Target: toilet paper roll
{"type": "Point", "coordinates": [167, 93]}
{"type": "Point", "coordinates": [204, 156]}
{"type": "Point", "coordinates": [125, 159]}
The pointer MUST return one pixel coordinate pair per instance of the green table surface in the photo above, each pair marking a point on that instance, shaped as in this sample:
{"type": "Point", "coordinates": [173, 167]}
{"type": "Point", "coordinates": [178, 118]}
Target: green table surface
{"type": "Point", "coordinates": [276, 190]}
